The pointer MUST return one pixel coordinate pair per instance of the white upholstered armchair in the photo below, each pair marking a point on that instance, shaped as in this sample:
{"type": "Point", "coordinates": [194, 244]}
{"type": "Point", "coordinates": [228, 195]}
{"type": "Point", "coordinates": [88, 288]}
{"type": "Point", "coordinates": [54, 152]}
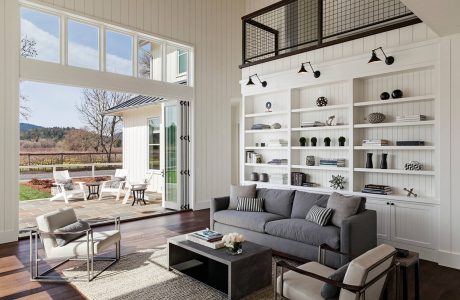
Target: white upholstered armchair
{"type": "Point", "coordinates": [364, 278]}
{"type": "Point", "coordinates": [84, 245]}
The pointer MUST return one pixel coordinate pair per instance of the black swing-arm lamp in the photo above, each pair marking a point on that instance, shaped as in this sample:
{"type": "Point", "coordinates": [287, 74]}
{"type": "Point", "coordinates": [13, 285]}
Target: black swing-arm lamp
{"type": "Point", "coordinates": [389, 60]}
{"type": "Point", "coordinates": [250, 82]}
{"type": "Point", "coordinates": [316, 73]}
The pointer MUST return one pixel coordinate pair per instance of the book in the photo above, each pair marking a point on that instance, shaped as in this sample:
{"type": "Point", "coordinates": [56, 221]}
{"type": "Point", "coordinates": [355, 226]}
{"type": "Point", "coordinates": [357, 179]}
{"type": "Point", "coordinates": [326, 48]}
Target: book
{"type": "Point", "coordinates": [410, 143]}
{"type": "Point", "coordinates": [207, 234]}
{"type": "Point", "coordinates": [213, 245]}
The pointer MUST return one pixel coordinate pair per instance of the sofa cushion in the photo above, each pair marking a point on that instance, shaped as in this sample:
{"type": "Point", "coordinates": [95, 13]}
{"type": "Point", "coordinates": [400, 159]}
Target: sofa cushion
{"type": "Point", "coordinates": [305, 232]}
{"type": "Point", "coordinates": [240, 191]}
{"type": "Point", "coordinates": [343, 207]}
{"type": "Point", "coordinates": [249, 220]}
{"type": "Point", "coordinates": [277, 202]}
{"type": "Point", "coordinates": [77, 227]}
{"type": "Point", "coordinates": [304, 201]}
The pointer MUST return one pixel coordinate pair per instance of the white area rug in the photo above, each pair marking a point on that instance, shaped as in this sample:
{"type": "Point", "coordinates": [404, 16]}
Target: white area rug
{"type": "Point", "coordinates": [144, 275]}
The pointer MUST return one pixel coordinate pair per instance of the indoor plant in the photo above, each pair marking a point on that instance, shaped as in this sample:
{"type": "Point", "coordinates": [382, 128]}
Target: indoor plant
{"type": "Point", "coordinates": [342, 141]}
{"type": "Point", "coordinates": [327, 141]}
{"type": "Point", "coordinates": [313, 141]}
{"type": "Point", "coordinates": [233, 242]}
{"type": "Point", "coordinates": [303, 141]}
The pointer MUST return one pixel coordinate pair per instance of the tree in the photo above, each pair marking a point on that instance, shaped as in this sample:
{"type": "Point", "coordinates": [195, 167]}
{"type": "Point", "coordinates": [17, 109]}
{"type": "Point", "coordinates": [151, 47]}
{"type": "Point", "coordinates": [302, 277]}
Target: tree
{"type": "Point", "coordinates": [28, 49]}
{"type": "Point", "coordinates": [94, 103]}
{"type": "Point", "coordinates": [80, 140]}
{"type": "Point", "coordinates": [145, 60]}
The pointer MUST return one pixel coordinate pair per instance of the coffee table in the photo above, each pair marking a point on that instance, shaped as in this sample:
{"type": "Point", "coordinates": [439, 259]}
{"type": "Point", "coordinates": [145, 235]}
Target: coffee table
{"type": "Point", "coordinates": [234, 275]}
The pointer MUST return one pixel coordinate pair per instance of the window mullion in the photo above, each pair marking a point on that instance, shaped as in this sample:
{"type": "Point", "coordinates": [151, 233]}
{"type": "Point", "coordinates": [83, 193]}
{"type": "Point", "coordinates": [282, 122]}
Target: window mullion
{"type": "Point", "coordinates": [134, 49]}
{"type": "Point", "coordinates": [102, 48]}
{"type": "Point", "coordinates": [63, 40]}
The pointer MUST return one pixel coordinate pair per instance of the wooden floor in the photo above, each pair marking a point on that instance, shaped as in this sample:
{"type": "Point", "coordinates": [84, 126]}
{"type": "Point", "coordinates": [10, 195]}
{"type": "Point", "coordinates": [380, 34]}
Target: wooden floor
{"type": "Point", "coordinates": [436, 282]}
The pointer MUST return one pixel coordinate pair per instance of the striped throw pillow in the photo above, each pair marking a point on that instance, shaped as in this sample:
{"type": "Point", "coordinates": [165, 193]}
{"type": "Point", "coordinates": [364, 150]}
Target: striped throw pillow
{"type": "Point", "coordinates": [319, 215]}
{"type": "Point", "coordinates": [250, 204]}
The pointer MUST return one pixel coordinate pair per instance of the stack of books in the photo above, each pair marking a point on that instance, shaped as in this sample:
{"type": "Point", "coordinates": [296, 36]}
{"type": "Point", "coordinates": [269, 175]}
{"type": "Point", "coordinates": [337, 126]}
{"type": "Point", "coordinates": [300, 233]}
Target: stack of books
{"type": "Point", "coordinates": [375, 143]}
{"type": "Point", "coordinates": [410, 143]}
{"type": "Point", "coordinates": [411, 118]}
{"type": "Point", "coordinates": [339, 162]}
{"type": "Point", "coordinates": [312, 124]}
{"type": "Point", "coordinates": [260, 126]}
{"type": "Point", "coordinates": [279, 178]}
{"type": "Point", "coordinates": [298, 178]}
{"type": "Point", "coordinates": [278, 161]}
{"type": "Point", "coordinates": [377, 189]}
{"type": "Point", "coordinates": [208, 238]}
{"type": "Point", "coordinates": [253, 157]}
{"type": "Point", "coordinates": [278, 143]}
{"type": "Point", "coordinates": [310, 184]}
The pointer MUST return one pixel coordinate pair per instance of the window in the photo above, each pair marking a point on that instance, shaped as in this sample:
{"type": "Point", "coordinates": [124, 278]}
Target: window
{"type": "Point", "coordinates": [177, 65]}
{"type": "Point", "coordinates": [149, 60]}
{"type": "Point", "coordinates": [182, 61]}
{"type": "Point", "coordinates": [119, 53]}
{"type": "Point", "coordinates": [40, 35]}
{"type": "Point", "coordinates": [83, 45]}
{"type": "Point", "coordinates": [154, 143]}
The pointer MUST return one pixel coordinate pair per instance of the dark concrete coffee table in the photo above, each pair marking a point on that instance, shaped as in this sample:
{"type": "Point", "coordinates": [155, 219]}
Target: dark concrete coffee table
{"type": "Point", "coordinates": [234, 275]}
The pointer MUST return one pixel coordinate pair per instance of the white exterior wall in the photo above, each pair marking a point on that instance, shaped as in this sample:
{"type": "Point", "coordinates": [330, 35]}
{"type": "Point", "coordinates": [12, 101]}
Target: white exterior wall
{"type": "Point", "coordinates": [135, 144]}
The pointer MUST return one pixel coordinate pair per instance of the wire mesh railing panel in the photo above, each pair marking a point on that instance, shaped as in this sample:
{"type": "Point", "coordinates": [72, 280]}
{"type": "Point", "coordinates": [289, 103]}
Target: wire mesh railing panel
{"type": "Point", "coordinates": [292, 25]}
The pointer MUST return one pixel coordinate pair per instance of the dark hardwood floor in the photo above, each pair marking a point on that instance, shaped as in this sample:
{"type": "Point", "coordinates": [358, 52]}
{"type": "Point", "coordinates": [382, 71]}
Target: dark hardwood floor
{"type": "Point", "coordinates": [436, 282]}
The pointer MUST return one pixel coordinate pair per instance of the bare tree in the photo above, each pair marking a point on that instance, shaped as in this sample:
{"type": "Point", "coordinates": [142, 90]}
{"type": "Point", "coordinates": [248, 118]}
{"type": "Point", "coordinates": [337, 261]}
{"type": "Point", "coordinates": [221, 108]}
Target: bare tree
{"type": "Point", "coordinates": [27, 50]}
{"type": "Point", "coordinates": [94, 103]}
{"type": "Point", "coordinates": [145, 60]}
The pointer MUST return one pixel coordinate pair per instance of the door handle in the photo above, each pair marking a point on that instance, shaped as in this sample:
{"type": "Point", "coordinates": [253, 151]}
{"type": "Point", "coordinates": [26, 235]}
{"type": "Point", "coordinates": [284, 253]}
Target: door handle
{"type": "Point", "coordinates": [162, 173]}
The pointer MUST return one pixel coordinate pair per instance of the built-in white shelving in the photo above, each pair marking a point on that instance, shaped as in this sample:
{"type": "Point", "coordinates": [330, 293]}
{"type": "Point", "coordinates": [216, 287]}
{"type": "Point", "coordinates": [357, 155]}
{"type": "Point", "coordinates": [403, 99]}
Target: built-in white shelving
{"type": "Point", "coordinates": [395, 171]}
{"type": "Point", "coordinates": [385, 148]}
{"type": "Point", "coordinates": [266, 165]}
{"type": "Point", "coordinates": [266, 148]}
{"type": "Point", "coordinates": [322, 108]}
{"type": "Point", "coordinates": [395, 124]}
{"type": "Point", "coordinates": [267, 130]}
{"type": "Point", "coordinates": [325, 168]}
{"type": "Point", "coordinates": [318, 128]}
{"type": "Point", "coordinates": [266, 114]}
{"type": "Point", "coordinates": [396, 101]}
{"type": "Point", "coordinates": [310, 148]}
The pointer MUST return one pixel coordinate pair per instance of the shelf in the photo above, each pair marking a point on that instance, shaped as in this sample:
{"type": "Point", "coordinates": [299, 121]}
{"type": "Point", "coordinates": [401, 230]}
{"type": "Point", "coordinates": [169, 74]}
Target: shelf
{"type": "Point", "coordinates": [266, 130]}
{"type": "Point", "coordinates": [266, 165]}
{"type": "Point", "coordinates": [266, 148]}
{"type": "Point", "coordinates": [395, 101]}
{"type": "Point", "coordinates": [325, 168]}
{"type": "Point", "coordinates": [395, 124]}
{"type": "Point", "coordinates": [265, 114]}
{"type": "Point", "coordinates": [320, 148]}
{"type": "Point", "coordinates": [394, 148]}
{"type": "Point", "coordinates": [267, 184]}
{"type": "Point", "coordinates": [321, 128]}
{"type": "Point", "coordinates": [310, 109]}
{"type": "Point", "coordinates": [395, 171]}
{"type": "Point", "coordinates": [428, 200]}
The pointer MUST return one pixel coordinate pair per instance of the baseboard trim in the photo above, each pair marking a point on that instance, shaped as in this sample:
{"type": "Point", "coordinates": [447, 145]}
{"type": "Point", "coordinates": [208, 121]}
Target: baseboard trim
{"type": "Point", "coordinates": [202, 205]}
{"type": "Point", "coordinates": [8, 236]}
{"type": "Point", "coordinates": [449, 259]}
{"type": "Point", "coordinates": [424, 253]}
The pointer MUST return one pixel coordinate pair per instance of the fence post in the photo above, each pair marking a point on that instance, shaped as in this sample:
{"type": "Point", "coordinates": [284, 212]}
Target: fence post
{"type": "Point", "coordinates": [93, 173]}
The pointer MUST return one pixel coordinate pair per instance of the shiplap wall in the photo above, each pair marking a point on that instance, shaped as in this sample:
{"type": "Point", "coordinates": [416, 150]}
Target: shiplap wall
{"type": "Point", "coordinates": [214, 28]}
{"type": "Point", "coordinates": [9, 84]}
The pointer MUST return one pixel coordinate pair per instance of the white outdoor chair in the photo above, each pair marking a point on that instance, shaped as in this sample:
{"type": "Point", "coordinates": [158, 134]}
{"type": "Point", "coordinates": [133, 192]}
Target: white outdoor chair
{"type": "Point", "coordinates": [136, 184]}
{"type": "Point", "coordinates": [114, 186]}
{"type": "Point", "coordinates": [84, 248]}
{"type": "Point", "coordinates": [365, 276]}
{"type": "Point", "coordinates": [60, 179]}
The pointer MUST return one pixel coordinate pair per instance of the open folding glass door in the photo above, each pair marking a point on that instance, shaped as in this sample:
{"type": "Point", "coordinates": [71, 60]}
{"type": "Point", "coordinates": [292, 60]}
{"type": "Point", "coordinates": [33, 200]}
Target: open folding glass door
{"type": "Point", "coordinates": [175, 152]}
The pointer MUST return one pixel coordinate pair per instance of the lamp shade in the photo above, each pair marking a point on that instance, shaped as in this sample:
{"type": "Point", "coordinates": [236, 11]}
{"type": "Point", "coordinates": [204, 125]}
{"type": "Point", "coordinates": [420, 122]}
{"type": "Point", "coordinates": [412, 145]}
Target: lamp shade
{"type": "Point", "coordinates": [302, 69]}
{"type": "Point", "coordinates": [374, 57]}
{"type": "Point", "coordinates": [250, 82]}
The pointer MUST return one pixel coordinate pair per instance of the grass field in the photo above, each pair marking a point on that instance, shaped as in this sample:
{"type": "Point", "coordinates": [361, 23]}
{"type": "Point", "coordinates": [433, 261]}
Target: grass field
{"type": "Point", "coordinates": [28, 193]}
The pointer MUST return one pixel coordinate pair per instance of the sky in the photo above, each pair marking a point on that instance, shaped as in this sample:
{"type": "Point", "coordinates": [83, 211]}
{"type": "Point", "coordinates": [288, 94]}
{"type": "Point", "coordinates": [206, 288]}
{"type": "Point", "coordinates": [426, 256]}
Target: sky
{"type": "Point", "coordinates": [54, 105]}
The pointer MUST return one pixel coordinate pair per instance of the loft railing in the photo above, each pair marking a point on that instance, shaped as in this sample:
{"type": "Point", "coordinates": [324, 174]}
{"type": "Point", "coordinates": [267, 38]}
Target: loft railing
{"type": "Point", "coordinates": [290, 27]}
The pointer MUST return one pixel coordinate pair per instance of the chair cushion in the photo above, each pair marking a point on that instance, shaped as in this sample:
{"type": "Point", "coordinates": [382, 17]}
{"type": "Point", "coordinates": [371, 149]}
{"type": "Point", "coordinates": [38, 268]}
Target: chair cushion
{"type": "Point", "coordinates": [319, 215]}
{"type": "Point", "coordinates": [68, 183]}
{"type": "Point", "coordinates": [304, 201]}
{"type": "Point", "coordinates": [250, 204]}
{"type": "Point", "coordinates": [254, 221]}
{"type": "Point", "coordinates": [301, 287]}
{"type": "Point", "coordinates": [343, 207]}
{"type": "Point", "coordinates": [63, 239]}
{"type": "Point", "coordinates": [305, 232]}
{"type": "Point", "coordinates": [329, 291]}
{"type": "Point", "coordinates": [277, 202]}
{"type": "Point", "coordinates": [102, 241]}
{"type": "Point", "coordinates": [240, 191]}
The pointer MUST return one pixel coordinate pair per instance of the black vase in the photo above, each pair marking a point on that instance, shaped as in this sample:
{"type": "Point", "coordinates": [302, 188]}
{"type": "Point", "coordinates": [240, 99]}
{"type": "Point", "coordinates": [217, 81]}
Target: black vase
{"type": "Point", "coordinates": [383, 162]}
{"type": "Point", "coordinates": [327, 143]}
{"type": "Point", "coordinates": [313, 144]}
{"type": "Point", "coordinates": [397, 94]}
{"type": "Point", "coordinates": [369, 164]}
{"type": "Point", "coordinates": [341, 144]}
{"type": "Point", "coordinates": [384, 96]}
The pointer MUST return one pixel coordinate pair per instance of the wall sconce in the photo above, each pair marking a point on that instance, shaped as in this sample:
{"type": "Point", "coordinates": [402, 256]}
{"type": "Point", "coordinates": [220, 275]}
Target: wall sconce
{"type": "Point", "coordinates": [250, 82]}
{"type": "Point", "coordinates": [316, 73]}
{"type": "Point", "coordinates": [374, 58]}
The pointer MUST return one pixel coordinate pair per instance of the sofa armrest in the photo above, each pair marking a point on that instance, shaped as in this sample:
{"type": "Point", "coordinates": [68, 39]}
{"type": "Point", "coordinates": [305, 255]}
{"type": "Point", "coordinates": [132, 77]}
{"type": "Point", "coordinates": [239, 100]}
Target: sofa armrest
{"type": "Point", "coordinates": [220, 203]}
{"type": "Point", "coordinates": [358, 233]}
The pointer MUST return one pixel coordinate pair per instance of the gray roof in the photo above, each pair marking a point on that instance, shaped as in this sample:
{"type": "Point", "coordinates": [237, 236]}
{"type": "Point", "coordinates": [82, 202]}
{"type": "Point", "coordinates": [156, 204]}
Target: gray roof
{"type": "Point", "coordinates": [135, 102]}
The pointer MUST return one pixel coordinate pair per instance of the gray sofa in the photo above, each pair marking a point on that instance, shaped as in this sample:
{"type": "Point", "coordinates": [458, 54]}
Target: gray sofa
{"type": "Point", "coordinates": [283, 227]}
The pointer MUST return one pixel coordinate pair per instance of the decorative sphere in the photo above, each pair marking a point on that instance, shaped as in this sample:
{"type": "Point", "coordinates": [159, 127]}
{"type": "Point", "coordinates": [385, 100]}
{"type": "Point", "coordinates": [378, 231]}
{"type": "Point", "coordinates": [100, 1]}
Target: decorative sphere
{"type": "Point", "coordinates": [397, 94]}
{"type": "Point", "coordinates": [384, 96]}
{"type": "Point", "coordinates": [268, 105]}
{"type": "Point", "coordinates": [321, 101]}
{"type": "Point", "coordinates": [374, 118]}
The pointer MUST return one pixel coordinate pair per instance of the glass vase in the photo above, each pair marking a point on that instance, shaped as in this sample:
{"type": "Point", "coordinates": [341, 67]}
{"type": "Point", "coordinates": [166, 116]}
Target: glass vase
{"type": "Point", "coordinates": [236, 249]}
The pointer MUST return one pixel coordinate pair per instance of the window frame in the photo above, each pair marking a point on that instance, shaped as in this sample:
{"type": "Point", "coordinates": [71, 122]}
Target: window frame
{"type": "Point", "coordinates": [181, 74]}
{"type": "Point", "coordinates": [149, 144]}
{"type": "Point", "coordinates": [133, 47]}
{"type": "Point", "coordinates": [66, 41]}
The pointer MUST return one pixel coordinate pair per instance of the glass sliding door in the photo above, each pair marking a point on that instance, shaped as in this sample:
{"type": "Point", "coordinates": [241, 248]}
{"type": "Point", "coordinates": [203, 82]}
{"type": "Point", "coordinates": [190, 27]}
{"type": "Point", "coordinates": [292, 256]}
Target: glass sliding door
{"type": "Point", "coordinates": [171, 195]}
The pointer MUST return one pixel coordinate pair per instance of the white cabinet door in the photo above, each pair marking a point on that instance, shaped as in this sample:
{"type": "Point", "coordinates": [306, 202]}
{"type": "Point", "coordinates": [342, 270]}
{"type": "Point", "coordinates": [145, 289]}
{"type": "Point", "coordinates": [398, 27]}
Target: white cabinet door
{"type": "Point", "coordinates": [413, 224]}
{"type": "Point", "coordinates": [383, 216]}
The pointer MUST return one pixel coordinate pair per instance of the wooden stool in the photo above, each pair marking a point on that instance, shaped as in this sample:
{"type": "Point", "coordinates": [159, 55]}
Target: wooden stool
{"type": "Point", "coordinates": [412, 260]}
{"type": "Point", "coordinates": [138, 195]}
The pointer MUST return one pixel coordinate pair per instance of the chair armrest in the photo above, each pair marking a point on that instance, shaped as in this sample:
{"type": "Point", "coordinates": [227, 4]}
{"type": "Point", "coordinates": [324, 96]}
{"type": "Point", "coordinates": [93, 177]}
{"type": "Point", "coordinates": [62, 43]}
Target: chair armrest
{"type": "Point", "coordinates": [217, 204]}
{"type": "Point", "coordinates": [358, 233]}
{"type": "Point", "coordinates": [322, 251]}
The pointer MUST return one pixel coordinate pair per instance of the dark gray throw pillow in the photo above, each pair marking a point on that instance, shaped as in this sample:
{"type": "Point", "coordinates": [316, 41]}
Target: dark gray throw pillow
{"type": "Point", "coordinates": [64, 239]}
{"type": "Point", "coordinates": [116, 181]}
{"type": "Point", "coordinates": [319, 215]}
{"type": "Point", "coordinates": [250, 204]}
{"type": "Point", "coordinates": [328, 291]}
{"type": "Point", "coordinates": [343, 207]}
{"type": "Point", "coordinates": [68, 184]}
{"type": "Point", "coordinates": [236, 191]}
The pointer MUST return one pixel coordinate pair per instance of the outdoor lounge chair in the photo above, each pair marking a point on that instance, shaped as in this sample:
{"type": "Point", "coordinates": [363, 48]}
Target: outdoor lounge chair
{"type": "Point", "coordinates": [66, 188]}
{"type": "Point", "coordinates": [136, 184]}
{"type": "Point", "coordinates": [85, 247]}
{"type": "Point", "coordinates": [114, 186]}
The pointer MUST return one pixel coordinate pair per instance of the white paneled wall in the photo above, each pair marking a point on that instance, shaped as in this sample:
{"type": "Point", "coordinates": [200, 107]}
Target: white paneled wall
{"type": "Point", "coordinates": [213, 27]}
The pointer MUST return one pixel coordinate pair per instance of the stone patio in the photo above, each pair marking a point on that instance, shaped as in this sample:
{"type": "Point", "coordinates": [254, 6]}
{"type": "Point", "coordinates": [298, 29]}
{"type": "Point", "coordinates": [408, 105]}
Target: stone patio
{"type": "Point", "coordinates": [92, 210]}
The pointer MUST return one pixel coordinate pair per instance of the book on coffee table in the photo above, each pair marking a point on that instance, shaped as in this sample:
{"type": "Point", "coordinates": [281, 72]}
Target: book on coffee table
{"type": "Point", "coordinates": [213, 244]}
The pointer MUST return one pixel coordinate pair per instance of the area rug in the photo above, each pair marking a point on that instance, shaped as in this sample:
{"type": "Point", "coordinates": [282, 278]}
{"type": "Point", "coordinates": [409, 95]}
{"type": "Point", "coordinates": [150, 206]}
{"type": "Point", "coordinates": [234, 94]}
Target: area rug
{"type": "Point", "coordinates": [144, 275]}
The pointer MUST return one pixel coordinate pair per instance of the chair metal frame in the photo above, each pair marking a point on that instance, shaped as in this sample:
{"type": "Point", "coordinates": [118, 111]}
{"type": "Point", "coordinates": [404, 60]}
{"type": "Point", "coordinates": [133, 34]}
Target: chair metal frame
{"type": "Point", "coordinates": [359, 290]}
{"type": "Point", "coordinates": [35, 234]}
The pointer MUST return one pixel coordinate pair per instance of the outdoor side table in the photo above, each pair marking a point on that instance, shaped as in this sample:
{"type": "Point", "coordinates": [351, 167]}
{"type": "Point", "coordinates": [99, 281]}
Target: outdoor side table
{"type": "Point", "coordinates": [412, 260]}
{"type": "Point", "coordinates": [93, 189]}
{"type": "Point", "coordinates": [138, 195]}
